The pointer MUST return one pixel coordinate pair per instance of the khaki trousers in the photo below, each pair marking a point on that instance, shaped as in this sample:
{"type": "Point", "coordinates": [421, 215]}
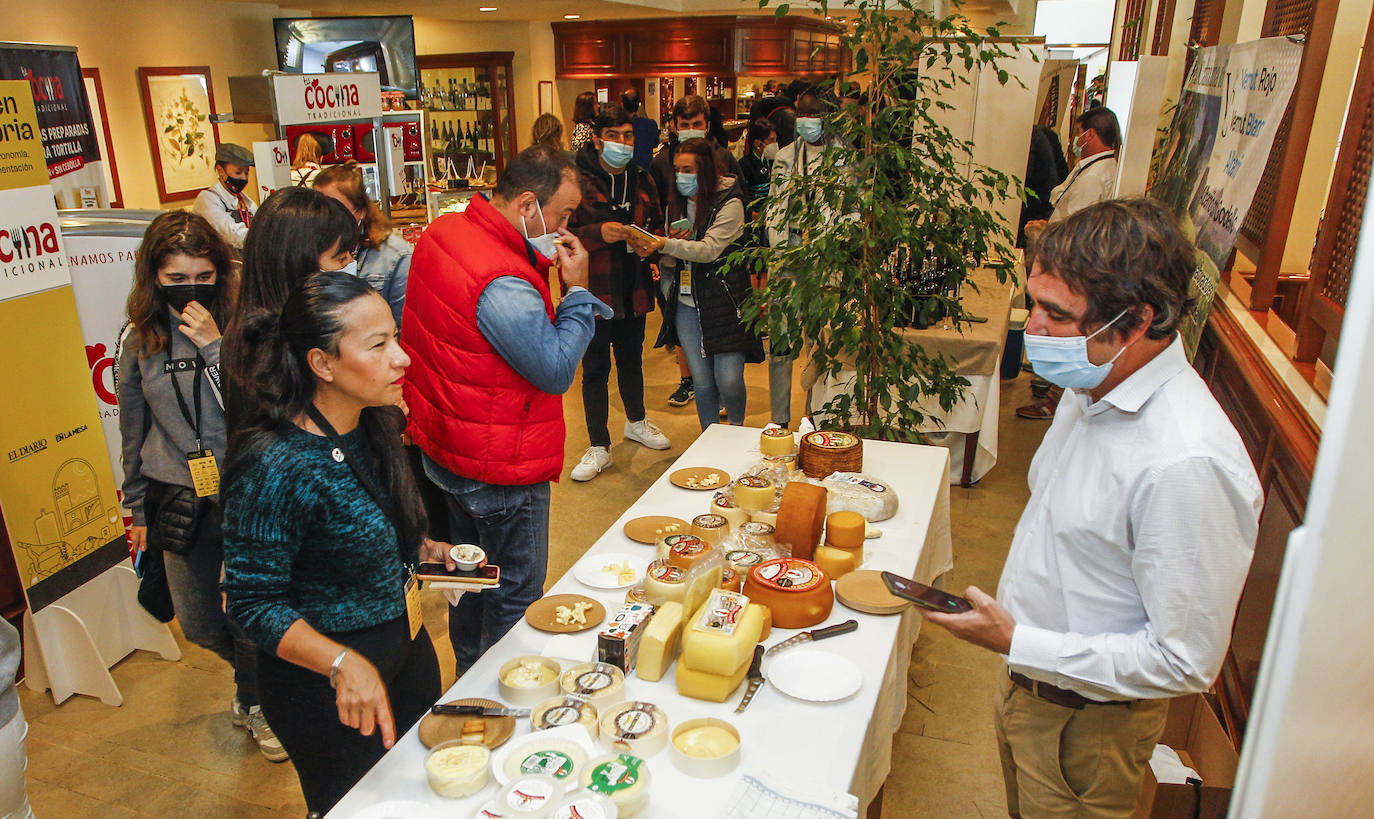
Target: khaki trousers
{"type": "Point", "coordinates": [1065, 762]}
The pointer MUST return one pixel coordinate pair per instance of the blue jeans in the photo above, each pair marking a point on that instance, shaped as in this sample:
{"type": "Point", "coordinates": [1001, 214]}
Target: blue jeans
{"type": "Point", "coordinates": [511, 524]}
{"type": "Point", "coordinates": [717, 379]}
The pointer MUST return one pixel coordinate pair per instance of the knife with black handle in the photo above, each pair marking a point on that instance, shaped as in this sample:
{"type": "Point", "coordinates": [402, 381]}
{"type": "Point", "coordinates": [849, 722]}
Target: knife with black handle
{"type": "Point", "coordinates": [478, 711]}
{"type": "Point", "coordinates": [755, 677]}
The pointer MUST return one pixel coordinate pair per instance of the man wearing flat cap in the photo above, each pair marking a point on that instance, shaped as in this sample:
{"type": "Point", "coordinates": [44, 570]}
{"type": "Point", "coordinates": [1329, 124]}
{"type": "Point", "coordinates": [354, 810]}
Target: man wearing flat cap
{"type": "Point", "coordinates": [224, 204]}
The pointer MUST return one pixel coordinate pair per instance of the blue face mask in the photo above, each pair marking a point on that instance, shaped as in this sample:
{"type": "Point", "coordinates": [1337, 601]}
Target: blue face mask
{"type": "Point", "coordinates": [617, 154]}
{"type": "Point", "coordinates": [687, 184]}
{"type": "Point", "coordinates": [809, 129]}
{"type": "Point", "coordinates": [690, 133]}
{"type": "Point", "coordinates": [543, 243]}
{"type": "Point", "coordinates": [1063, 360]}
{"type": "Point", "coordinates": [351, 268]}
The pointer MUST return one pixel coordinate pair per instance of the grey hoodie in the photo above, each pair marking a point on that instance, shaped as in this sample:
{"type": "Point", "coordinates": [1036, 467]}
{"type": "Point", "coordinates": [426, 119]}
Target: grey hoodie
{"type": "Point", "coordinates": [9, 666]}
{"type": "Point", "coordinates": [156, 437]}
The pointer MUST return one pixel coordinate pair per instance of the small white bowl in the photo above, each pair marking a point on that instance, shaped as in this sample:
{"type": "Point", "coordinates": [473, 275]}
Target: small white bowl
{"type": "Point", "coordinates": [468, 557]}
{"type": "Point", "coordinates": [705, 767]}
{"type": "Point", "coordinates": [528, 695]}
{"type": "Point", "coordinates": [456, 787]}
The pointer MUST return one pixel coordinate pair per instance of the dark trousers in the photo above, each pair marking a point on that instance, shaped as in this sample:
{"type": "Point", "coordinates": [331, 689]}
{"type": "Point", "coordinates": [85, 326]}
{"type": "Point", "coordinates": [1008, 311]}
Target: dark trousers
{"type": "Point", "coordinates": [626, 338]}
{"type": "Point", "coordinates": [329, 756]}
{"type": "Point", "coordinates": [511, 524]}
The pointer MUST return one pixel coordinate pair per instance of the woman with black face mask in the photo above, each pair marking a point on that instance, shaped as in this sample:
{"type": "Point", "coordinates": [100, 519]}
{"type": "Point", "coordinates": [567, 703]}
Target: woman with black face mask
{"type": "Point", "coordinates": [171, 421]}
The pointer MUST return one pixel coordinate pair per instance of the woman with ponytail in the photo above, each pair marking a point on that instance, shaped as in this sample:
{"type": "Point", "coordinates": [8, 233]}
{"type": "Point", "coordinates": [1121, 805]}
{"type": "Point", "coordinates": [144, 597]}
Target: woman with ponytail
{"type": "Point", "coordinates": [322, 521]}
{"type": "Point", "coordinates": [169, 398]}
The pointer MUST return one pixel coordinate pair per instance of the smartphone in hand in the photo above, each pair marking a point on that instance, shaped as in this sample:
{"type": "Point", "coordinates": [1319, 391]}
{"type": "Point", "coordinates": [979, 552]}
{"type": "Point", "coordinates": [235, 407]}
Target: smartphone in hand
{"type": "Point", "coordinates": [488, 575]}
{"type": "Point", "coordinates": [641, 233]}
{"type": "Point", "coordinates": [681, 224]}
{"type": "Point", "coordinates": [925, 596]}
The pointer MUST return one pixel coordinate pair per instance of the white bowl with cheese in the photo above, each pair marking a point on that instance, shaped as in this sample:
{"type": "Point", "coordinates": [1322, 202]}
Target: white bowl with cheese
{"type": "Point", "coordinates": [528, 680]}
{"type": "Point", "coordinates": [456, 769]}
{"type": "Point", "coordinates": [468, 557]}
{"type": "Point", "coordinates": [705, 747]}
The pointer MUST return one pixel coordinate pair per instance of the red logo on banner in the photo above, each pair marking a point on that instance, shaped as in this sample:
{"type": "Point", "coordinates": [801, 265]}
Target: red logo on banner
{"type": "Point", "coordinates": [330, 96]}
{"type": "Point", "coordinates": [45, 89]}
{"type": "Point", "coordinates": [27, 242]}
{"type": "Point", "coordinates": [102, 373]}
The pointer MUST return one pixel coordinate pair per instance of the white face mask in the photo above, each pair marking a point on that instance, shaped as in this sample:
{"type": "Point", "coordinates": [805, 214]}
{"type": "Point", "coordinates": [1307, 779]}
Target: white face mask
{"type": "Point", "coordinates": [543, 243]}
{"type": "Point", "coordinates": [690, 133]}
{"type": "Point", "coordinates": [770, 151]}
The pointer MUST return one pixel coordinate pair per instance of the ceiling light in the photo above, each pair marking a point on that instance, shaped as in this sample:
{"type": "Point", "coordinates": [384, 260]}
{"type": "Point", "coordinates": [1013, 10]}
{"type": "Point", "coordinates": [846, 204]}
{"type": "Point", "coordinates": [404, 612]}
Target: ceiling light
{"type": "Point", "coordinates": [565, 17]}
{"type": "Point", "coordinates": [486, 8]}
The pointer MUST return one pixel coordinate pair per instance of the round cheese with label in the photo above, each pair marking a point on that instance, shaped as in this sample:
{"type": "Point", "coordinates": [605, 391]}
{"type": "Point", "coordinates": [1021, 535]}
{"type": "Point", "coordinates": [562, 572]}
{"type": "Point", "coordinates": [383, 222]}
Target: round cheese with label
{"type": "Point", "coordinates": [684, 550]}
{"type": "Point", "coordinates": [622, 777]}
{"type": "Point", "coordinates": [664, 583]}
{"type": "Point", "coordinates": [711, 528]}
{"type": "Point", "coordinates": [857, 492]}
{"type": "Point", "coordinates": [826, 451]}
{"type": "Point", "coordinates": [776, 441]}
{"type": "Point", "coordinates": [845, 530]}
{"type": "Point", "coordinates": [801, 519]}
{"type": "Point", "coordinates": [639, 727]}
{"type": "Point", "coordinates": [723, 504]}
{"type": "Point", "coordinates": [796, 591]}
{"type": "Point", "coordinates": [558, 758]}
{"type": "Point", "coordinates": [745, 559]}
{"type": "Point", "coordinates": [586, 806]}
{"type": "Point", "coordinates": [757, 535]}
{"type": "Point", "coordinates": [564, 710]}
{"type": "Point", "coordinates": [599, 682]}
{"type": "Point", "coordinates": [753, 493]}
{"type": "Point", "coordinates": [731, 579]}
{"type": "Point", "coordinates": [533, 795]}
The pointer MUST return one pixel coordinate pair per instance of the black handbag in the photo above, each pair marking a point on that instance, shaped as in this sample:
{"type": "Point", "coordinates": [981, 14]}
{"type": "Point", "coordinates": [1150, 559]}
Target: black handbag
{"type": "Point", "coordinates": [176, 516]}
{"type": "Point", "coordinates": [153, 592]}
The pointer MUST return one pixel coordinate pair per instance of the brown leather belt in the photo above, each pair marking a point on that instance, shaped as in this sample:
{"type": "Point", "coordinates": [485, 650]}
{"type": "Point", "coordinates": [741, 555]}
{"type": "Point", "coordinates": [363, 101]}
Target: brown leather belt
{"type": "Point", "coordinates": [1060, 696]}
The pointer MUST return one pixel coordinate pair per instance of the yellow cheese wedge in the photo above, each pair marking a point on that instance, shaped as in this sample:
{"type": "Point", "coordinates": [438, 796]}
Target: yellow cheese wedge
{"type": "Point", "coordinates": [660, 643]}
{"type": "Point", "coordinates": [699, 585]}
{"type": "Point", "coordinates": [722, 634]}
{"type": "Point", "coordinates": [845, 530]}
{"type": "Point", "coordinates": [767, 621]}
{"type": "Point", "coordinates": [837, 563]}
{"type": "Point", "coordinates": [711, 687]}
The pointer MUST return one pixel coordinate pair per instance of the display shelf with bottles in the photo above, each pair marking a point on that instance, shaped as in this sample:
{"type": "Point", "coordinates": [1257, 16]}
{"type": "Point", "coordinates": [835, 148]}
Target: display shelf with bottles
{"type": "Point", "coordinates": [469, 102]}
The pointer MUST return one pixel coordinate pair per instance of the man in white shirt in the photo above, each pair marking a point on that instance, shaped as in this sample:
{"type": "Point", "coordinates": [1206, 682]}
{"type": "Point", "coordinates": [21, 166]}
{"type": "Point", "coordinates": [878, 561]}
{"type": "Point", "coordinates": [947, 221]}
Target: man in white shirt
{"type": "Point", "coordinates": [1092, 180]}
{"type": "Point", "coordinates": [224, 204]}
{"type": "Point", "coordinates": [1121, 584]}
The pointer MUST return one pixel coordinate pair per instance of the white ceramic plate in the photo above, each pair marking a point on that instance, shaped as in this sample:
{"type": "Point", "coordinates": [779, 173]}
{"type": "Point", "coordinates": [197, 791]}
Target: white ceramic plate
{"type": "Point", "coordinates": [397, 809]}
{"type": "Point", "coordinates": [814, 675]}
{"type": "Point", "coordinates": [539, 740]}
{"type": "Point", "coordinates": [588, 570]}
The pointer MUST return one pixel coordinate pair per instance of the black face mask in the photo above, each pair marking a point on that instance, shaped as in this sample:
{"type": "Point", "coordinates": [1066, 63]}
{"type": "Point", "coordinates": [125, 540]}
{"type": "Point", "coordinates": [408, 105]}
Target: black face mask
{"type": "Point", "coordinates": [180, 295]}
{"type": "Point", "coordinates": [234, 184]}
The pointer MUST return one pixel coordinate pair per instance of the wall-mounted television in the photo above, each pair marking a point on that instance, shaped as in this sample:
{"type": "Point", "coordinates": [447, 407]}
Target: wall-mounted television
{"type": "Point", "coordinates": [386, 45]}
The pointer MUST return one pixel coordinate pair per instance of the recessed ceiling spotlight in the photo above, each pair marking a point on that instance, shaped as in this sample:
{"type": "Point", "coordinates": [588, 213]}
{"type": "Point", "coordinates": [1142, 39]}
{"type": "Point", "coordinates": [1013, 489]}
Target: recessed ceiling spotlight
{"type": "Point", "coordinates": [572, 17]}
{"type": "Point", "coordinates": [486, 8]}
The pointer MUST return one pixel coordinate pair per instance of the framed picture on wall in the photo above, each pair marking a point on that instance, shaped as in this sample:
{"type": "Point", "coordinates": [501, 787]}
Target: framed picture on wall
{"type": "Point", "coordinates": [546, 96]}
{"type": "Point", "coordinates": [95, 93]}
{"type": "Point", "coordinates": [177, 104]}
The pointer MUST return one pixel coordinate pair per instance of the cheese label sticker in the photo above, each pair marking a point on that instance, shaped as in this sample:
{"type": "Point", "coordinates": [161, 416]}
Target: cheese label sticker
{"type": "Point", "coordinates": [666, 573]}
{"type": "Point", "coordinates": [686, 545]}
{"type": "Point", "coordinates": [777, 432]}
{"type": "Point", "coordinates": [593, 681]}
{"type": "Point", "coordinates": [857, 481]}
{"type": "Point", "coordinates": [553, 763]}
{"type": "Point", "coordinates": [531, 794]}
{"type": "Point", "coordinates": [744, 558]}
{"type": "Point", "coordinates": [789, 573]}
{"type": "Point", "coordinates": [722, 612]}
{"type": "Point", "coordinates": [581, 809]}
{"type": "Point", "coordinates": [754, 482]}
{"type": "Point", "coordinates": [560, 715]}
{"type": "Point", "coordinates": [636, 722]}
{"type": "Point", "coordinates": [724, 500]}
{"type": "Point", "coordinates": [832, 440]}
{"type": "Point", "coordinates": [710, 521]}
{"type": "Point", "coordinates": [615, 775]}
{"type": "Point", "coordinates": [757, 528]}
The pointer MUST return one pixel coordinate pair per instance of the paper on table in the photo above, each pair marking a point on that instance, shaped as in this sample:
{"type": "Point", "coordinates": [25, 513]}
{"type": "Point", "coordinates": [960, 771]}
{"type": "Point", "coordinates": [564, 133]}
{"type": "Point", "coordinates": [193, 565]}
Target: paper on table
{"type": "Point", "coordinates": [762, 795]}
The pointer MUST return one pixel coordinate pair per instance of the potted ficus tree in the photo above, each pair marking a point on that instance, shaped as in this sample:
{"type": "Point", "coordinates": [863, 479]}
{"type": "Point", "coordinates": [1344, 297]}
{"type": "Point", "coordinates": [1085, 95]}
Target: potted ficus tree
{"type": "Point", "coordinates": [887, 227]}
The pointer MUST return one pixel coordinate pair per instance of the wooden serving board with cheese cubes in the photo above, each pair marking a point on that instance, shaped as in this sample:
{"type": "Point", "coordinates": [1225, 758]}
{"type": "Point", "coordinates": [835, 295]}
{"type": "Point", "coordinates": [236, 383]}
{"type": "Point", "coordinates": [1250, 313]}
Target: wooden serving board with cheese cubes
{"type": "Point", "coordinates": [565, 613]}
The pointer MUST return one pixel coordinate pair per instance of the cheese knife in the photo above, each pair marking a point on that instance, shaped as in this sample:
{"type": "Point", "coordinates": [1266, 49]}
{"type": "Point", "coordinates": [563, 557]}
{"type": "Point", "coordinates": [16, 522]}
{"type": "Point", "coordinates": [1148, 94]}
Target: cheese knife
{"type": "Point", "coordinates": [815, 634]}
{"type": "Point", "coordinates": [755, 676]}
{"type": "Point", "coordinates": [478, 711]}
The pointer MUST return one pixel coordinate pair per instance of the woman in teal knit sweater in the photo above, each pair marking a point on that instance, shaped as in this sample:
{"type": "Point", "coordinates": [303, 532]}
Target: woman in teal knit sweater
{"type": "Point", "coordinates": [321, 519]}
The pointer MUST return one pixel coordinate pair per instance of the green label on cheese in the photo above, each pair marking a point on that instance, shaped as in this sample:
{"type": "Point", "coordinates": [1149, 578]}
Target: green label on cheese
{"type": "Point", "coordinates": [553, 763]}
{"type": "Point", "coordinates": [615, 775]}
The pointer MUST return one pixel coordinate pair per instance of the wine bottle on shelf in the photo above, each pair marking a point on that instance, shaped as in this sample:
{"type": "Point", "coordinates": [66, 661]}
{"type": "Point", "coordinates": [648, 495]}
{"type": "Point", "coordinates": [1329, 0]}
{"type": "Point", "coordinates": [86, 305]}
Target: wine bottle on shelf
{"type": "Point", "coordinates": [433, 132]}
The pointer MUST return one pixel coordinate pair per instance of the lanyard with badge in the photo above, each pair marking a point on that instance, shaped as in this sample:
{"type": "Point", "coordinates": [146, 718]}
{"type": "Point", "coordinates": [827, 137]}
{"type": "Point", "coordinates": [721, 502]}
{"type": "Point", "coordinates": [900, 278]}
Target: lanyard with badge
{"type": "Point", "coordinates": [1078, 172]}
{"type": "Point", "coordinates": [343, 453]}
{"type": "Point", "coordinates": [200, 461]}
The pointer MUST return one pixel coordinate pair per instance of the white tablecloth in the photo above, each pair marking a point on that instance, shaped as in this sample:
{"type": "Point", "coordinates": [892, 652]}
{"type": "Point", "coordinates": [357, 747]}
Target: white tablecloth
{"type": "Point", "coordinates": [844, 746]}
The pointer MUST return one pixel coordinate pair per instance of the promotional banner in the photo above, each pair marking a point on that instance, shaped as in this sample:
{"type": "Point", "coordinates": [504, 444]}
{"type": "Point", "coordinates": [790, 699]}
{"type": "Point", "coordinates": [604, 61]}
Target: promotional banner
{"type": "Point", "coordinates": [303, 99]}
{"type": "Point", "coordinates": [57, 492]}
{"type": "Point", "coordinates": [272, 163]}
{"type": "Point", "coordinates": [70, 147]}
{"type": "Point", "coordinates": [1233, 100]}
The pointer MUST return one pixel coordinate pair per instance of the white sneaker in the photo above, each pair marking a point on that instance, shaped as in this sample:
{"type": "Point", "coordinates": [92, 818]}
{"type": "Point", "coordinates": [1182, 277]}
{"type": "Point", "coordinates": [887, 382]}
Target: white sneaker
{"type": "Point", "coordinates": [595, 459]}
{"type": "Point", "coordinates": [646, 433]}
{"type": "Point", "coordinates": [262, 733]}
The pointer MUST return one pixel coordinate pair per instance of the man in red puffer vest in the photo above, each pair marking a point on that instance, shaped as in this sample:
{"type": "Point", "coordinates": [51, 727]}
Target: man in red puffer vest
{"type": "Point", "coordinates": [490, 360]}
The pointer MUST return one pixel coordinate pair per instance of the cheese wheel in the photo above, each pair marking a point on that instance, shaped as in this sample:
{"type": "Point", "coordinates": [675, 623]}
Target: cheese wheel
{"type": "Point", "coordinates": [664, 583]}
{"type": "Point", "coordinates": [796, 591]}
{"type": "Point", "coordinates": [722, 634]}
{"type": "Point", "coordinates": [768, 517]}
{"type": "Point", "coordinates": [731, 579]}
{"type": "Point", "coordinates": [662, 639]}
{"type": "Point", "coordinates": [757, 535]}
{"type": "Point", "coordinates": [602, 683]}
{"type": "Point", "coordinates": [641, 727]}
{"type": "Point", "coordinates": [745, 559]}
{"type": "Point", "coordinates": [753, 492]}
{"type": "Point", "coordinates": [777, 442]}
{"type": "Point", "coordinates": [857, 492]}
{"type": "Point", "coordinates": [711, 528]}
{"type": "Point", "coordinates": [685, 550]}
{"type": "Point", "coordinates": [564, 710]}
{"type": "Point", "coordinates": [702, 685]}
{"type": "Point", "coordinates": [801, 519]}
{"type": "Point", "coordinates": [622, 777]}
{"type": "Point", "coordinates": [723, 504]}
{"type": "Point", "coordinates": [845, 530]}
{"type": "Point", "coordinates": [532, 795]}
{"type": "Point", "coordinates": [826, 451]}
{"type": "Point", "coordinates": [837, 562]}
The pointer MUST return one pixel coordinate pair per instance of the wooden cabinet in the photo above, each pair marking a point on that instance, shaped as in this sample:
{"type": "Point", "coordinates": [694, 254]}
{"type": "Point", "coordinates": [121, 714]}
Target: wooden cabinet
{"type": "Point", "coordinates": [471, 103]}
{"type": "Point", "coordinates": [698, 46]}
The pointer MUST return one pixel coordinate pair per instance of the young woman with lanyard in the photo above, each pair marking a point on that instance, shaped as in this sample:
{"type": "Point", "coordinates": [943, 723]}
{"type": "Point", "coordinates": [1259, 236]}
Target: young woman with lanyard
{"type": "Point", "coordinates": [322, 525]}
{"type": "Point", "coordinates": [702, 300]}
{"type": "Point", "coordinates": [171, 421]}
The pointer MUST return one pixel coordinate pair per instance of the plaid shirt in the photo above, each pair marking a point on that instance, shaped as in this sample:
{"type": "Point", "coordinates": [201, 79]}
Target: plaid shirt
{"type": "Point", "coordinates": [616, 275]}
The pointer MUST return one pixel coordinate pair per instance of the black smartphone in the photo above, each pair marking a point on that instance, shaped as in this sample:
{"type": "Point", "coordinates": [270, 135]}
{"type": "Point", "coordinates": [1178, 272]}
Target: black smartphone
{"type": "Point", "coordinates": [925, 596]}
{"type": "Point", "coordinates": [436, 572]}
